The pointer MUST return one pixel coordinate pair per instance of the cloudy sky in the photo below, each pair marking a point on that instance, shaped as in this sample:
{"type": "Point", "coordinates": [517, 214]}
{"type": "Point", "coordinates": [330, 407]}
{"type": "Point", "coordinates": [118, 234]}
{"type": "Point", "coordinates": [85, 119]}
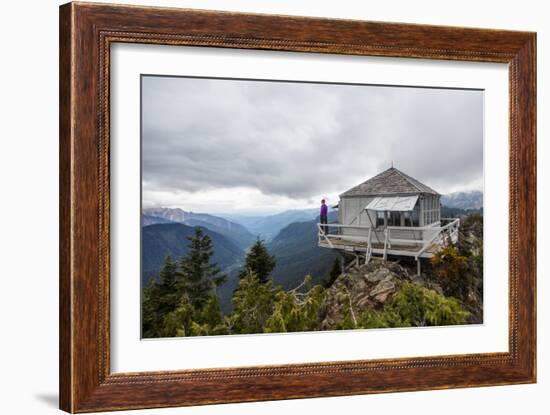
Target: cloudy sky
{"type": "Point", "coordinates": [237, 146]}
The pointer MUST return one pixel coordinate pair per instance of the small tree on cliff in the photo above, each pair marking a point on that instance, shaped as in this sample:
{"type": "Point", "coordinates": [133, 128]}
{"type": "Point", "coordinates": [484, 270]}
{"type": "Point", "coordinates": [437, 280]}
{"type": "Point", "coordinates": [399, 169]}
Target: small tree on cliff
{"type": "Point", "coordinates": [451, 269]}
{"type": "Point", "coordinates": [259, 262]}
{"type": "Point", "coordinates": [197, 276]}
{"type": "Point", "coordinates": [297, 309]}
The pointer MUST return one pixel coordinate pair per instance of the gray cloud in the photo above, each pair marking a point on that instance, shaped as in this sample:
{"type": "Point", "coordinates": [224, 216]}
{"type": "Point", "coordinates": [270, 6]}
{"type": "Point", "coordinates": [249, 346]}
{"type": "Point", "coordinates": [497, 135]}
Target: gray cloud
{"type": "Point", "coordinates": [299, 140]}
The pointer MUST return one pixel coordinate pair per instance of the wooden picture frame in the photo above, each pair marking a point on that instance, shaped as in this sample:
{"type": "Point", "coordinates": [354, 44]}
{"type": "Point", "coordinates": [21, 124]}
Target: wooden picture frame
{"type": "Point", "coordinates": [86, 33]}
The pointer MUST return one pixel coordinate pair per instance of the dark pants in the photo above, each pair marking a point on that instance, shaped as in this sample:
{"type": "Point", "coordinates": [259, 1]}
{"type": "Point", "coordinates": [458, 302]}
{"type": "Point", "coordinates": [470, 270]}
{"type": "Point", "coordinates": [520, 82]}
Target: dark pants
{"type": "Point", "coordinates": [324, 222]}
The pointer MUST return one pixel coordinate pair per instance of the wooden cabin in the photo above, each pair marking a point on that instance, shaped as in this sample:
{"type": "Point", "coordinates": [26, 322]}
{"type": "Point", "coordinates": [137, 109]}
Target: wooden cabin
{"type": "Point", "coordinates": [392, 213]}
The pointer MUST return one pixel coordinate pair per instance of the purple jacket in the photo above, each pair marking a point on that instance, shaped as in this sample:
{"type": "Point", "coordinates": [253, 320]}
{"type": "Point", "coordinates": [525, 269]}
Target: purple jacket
{"type": "Point", "coordinates": [324, 210]}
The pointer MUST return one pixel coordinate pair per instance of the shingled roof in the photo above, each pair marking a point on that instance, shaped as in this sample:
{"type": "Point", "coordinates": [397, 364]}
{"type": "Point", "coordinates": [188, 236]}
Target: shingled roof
{"type": "Point", "coordinates": [389, 182]}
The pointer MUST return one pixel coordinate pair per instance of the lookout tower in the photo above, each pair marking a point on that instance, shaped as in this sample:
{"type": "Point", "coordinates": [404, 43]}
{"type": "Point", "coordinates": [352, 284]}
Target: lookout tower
{"type": "Point", "coordinates": [391, 213]}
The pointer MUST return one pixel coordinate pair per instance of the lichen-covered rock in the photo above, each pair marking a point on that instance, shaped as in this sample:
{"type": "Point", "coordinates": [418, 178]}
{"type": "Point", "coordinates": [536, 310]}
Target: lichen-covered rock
{"type": "Point", "coordinates": [360, 288]}
{"type": "Point", "coordinates": [377, 275]}
{"type": "Point", "coordinates": [383, 289]}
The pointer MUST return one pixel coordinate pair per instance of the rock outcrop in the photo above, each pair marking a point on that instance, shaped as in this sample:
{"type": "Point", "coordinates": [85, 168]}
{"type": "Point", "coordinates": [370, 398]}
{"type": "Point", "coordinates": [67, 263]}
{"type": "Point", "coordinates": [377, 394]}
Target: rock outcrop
{"type": "Point", "coordinates": [361, 288]}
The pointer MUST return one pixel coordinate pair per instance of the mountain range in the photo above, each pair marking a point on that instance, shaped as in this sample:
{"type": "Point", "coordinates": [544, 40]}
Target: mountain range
{"type": "Point", "coordinates": [234, 231]}
{"type": "Point", "coordinates": [470, 200]}
{"type": "Point", "coordinates": [147, 220]}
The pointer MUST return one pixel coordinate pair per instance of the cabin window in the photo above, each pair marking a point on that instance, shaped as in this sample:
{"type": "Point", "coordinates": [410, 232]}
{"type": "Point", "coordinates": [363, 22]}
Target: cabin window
{"type": "Point", "coordinates": [431, 210]}
{"type": "Point", "coordinates": [408, 218]}
{"type": "Point", "coordinates": [379, 219]}
{"type": "Point", "coordinates": [394, 219]}
{"type": "Point", "coordinates": [416, 217]}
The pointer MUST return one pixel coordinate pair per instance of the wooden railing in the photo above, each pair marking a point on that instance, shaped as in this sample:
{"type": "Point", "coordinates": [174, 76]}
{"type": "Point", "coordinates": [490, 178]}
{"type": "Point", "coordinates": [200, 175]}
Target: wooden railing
{"type": "Point", "coordinates": [423, 236]}
{"type": "Point", "coordinates": [450, 230]}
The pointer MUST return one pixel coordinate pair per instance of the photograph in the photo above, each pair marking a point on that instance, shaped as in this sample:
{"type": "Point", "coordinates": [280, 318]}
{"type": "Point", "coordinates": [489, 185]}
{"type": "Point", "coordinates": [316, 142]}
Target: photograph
{"type": "Point", "coordinates": [277, 206]}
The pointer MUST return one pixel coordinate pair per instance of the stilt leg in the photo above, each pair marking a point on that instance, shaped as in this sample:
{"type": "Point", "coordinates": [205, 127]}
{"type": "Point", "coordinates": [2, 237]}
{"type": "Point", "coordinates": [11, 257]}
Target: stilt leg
{"type": "Point", "coordinates": [418, 267]}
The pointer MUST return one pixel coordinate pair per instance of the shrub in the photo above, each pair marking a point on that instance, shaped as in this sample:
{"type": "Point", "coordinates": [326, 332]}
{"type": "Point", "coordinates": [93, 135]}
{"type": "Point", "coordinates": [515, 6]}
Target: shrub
{"type": "Point", "coordinates": [414, 305]}
{"type": "Point", "coordinates": [294, 311]}
{"type": "Point", "coordinates": [450, 269]}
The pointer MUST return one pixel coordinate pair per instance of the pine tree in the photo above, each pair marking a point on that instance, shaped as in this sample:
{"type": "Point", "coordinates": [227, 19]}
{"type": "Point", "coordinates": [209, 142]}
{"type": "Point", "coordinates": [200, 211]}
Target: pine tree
{"type": "Point", "coordinates": [252, 305]}
{"type": "Point", "coordinates": [197, 276]}
{"type": "Point", "coordinates": [180, 321]}
{"type": "Point", "coordinates": [296, 310]}
{"type": "Point", "coordinates": [150, 319]}
{"type": "Point", "coordinates": [169, 295]}
{"type": "Point", "coordinates": [259, 262]}
{"type": "Point", "coordinates": [210, 320]}
{"type": "Point", "coordinates": [159, 299]}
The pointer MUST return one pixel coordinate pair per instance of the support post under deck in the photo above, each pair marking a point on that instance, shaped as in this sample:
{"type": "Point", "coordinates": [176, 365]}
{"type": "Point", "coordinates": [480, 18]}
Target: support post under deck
{"type": "Point", "coordinates": [418, 267]}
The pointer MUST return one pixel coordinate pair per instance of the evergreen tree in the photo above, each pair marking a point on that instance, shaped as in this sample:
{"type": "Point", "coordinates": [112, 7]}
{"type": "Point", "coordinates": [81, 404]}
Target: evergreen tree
{"type": "Point", "coordinates": [197, 277]}
{"type": "Point", "coordinates": [159, 299]}
{"type": "Point", "coordinates": [168, 293]}
{"type": "Point", "coordinates": [295, 310]}
{"type": "Point", "coordinates": [212, 314]}
{"type": "Point", "coordinates": [150, 318]}
{"type": "Point", "coordinates": [258, 261]}
{"type": "Point", "coordinates": [180, 321]}
{"type": "Point", "coordinates": [187, 321]}
{"type": "Point", "coordinates": [253, 303]}
{"type": "Point", "coordinates": [210, 320]}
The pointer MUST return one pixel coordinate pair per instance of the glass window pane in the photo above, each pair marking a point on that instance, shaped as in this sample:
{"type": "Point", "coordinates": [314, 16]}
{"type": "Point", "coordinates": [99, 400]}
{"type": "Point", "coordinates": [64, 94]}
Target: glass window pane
{"type": "Point", "coordinates": [379, 219]}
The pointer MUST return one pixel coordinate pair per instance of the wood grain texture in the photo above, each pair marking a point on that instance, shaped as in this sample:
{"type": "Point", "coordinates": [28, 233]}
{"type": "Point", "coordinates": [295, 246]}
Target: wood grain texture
{"type": "Point", "coordinates": [65, 246]}
{"type": "Point", "coordinates": [86, 33]}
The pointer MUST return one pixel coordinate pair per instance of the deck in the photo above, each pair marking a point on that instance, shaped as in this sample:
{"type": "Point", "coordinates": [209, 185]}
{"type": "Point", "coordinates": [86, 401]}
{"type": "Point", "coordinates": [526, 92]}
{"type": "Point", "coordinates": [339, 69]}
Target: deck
{"type": "Point", "coordinates": [378, 248]}
{"type": "Point", "coordinates": [417, 242]}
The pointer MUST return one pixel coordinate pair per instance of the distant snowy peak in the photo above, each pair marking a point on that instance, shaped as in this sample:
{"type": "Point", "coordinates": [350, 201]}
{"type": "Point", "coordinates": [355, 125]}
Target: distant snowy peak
{"type": "Point", "coordinates": [238, 233]}
{"type": "Point", "coordinates": [147, 220]}
{"type": "Point", "coordinates": [463, 200]}
{"type": "Point", "coordinates": [182, 216]}
{"type": "Point", "coordinates": [171, 214]}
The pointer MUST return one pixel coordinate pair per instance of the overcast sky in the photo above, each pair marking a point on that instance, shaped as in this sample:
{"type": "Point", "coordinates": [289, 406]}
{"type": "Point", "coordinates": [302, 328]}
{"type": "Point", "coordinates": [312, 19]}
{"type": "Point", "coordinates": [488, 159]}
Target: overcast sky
{"type": "Point", "coordinates": [261, 147]}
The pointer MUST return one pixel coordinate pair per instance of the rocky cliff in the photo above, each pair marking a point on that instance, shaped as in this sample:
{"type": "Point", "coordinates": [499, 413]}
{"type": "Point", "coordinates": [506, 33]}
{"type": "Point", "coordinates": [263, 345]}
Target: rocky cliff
{"type": "Point", "coordinates": [364, 288]}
